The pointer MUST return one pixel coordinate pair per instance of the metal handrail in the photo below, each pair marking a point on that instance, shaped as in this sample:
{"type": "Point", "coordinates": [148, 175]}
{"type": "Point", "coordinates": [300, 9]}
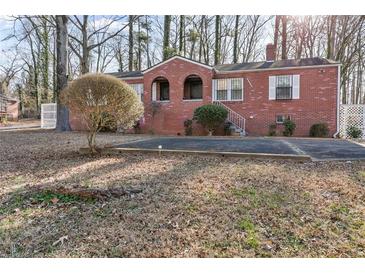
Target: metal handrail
{"type": "Point", "coordinates": [233, 117]}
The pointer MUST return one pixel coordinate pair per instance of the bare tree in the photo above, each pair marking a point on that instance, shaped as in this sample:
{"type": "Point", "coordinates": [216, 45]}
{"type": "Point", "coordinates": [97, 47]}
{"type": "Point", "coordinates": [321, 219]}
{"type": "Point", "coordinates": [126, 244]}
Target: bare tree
{"type": "Point", "coordinates": [62, 46]}
{"type": "Point", "coordinates": [166, 37]}
{"type": "Point", "coordinates": [82, 44]}
{"type": "Point", "coordinates": [130, 42]}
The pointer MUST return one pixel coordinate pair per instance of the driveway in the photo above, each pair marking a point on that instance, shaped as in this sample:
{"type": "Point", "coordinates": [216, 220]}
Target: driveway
{"type": "Point", "coordinates": [317, 149]}
{"type": "Point", "coordinates": [21, 124]}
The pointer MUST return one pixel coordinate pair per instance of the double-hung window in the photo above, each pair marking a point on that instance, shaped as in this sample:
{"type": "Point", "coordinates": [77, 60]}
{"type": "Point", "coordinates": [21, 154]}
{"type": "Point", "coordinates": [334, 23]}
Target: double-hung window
{"type": "Point", "coordinates": [230, 89]}
{"type": "Point", "coordinates": [236, 88]}
{"type": "Point", "coordinates": [284, 87]}
{"type": "Point", "coordinates": [222, 90]}
{"type": "Point", "coordinates": [138, 88]}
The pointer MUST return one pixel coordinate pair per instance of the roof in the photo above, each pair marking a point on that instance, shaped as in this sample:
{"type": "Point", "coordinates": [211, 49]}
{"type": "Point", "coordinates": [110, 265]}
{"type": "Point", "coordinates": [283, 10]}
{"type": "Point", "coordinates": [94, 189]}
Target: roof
{"type": "Point", "coordinates": [126, 74]}
{"type": "Point", "coordinates": [289, 63]}
{"type": "Point", "coordinates": [305, 62]}
{"type": "Point", "coordinates": [181, 58]}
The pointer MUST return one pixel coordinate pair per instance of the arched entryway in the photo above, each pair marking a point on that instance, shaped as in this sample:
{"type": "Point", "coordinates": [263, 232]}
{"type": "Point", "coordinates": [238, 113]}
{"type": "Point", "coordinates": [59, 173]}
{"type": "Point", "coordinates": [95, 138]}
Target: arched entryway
{"type": "Point", "coordinates": [160, 89]}
{"type": "Point", "coordinates": [193, 88]}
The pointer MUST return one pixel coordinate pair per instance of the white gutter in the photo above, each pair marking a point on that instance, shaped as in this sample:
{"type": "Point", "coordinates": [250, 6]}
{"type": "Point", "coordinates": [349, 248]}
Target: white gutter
{"type": "Point", "coordinates": [131, 78]}
{"type": "Point", "coordinates": [338, 100]}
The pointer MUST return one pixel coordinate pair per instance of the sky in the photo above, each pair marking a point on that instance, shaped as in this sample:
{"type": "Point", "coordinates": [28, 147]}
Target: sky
{"type": "Point", "coordinates": [6, 28]}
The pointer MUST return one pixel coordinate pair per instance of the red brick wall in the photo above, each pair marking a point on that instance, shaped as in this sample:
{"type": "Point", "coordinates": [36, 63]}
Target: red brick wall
{"type": "Point", "coordinates": [170, 116]}
{"type": "Point", "coordinates": [13, 110]}
{"type": "Point", "coordinates": [317, 103]}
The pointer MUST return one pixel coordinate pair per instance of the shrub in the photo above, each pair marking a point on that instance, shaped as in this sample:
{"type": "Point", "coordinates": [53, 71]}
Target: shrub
{"type": "Point", "coordinates": [108, 127]}
{"type": "Point", "coordinates": [354, 132]}
{"type": "Point", "coordinates": [102, 100]}
{"type": "Point", "coordinates": [210, 116]}
{"type": "Point", "coordinates": [272, 130]}
{"type": "Point", "coordinates": [4, 120]}
{"type": "Point", "coordinates": [289, 127]}
{"type": "Point", "coordinates": [319, 130]}
{"type": "Point", "coordinates": [188, 125]}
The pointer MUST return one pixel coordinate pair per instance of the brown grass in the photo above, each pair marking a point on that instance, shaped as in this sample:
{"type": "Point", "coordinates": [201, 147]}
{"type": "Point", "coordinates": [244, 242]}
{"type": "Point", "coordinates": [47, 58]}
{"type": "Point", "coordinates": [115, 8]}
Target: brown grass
{"type": "Point", "coordinates": [190, 206]}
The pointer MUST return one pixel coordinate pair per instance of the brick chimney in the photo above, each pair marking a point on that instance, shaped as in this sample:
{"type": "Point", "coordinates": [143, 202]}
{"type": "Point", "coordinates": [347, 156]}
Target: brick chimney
{"type": "Point", "coordinates": [270, 52]}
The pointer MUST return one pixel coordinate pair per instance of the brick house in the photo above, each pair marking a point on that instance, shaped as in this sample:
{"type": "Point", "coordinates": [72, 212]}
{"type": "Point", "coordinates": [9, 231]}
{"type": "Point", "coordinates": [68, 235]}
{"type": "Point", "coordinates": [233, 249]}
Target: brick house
{"type": "Point", "coordinates": [256, 94]}
{"type": "Point", "coordinates": [9, 108]}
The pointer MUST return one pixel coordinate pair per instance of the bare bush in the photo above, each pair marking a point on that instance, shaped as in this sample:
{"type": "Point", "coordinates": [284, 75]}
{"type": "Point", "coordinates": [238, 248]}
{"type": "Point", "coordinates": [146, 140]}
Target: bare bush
{"type": "Point", "coordinates": [102, 100]}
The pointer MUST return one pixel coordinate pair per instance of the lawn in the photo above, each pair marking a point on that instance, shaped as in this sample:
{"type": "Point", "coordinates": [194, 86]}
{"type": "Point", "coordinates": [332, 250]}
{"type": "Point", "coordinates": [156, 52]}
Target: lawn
{"type": "Point", "coordinates": [189, 206]}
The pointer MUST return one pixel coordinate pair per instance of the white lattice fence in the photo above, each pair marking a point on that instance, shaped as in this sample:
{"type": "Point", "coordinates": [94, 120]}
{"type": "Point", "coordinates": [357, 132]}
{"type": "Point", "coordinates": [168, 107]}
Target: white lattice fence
{"type": "Point", "coordinates": [48, 115]}
{"type": "Point", "coordinates": [352, 115]}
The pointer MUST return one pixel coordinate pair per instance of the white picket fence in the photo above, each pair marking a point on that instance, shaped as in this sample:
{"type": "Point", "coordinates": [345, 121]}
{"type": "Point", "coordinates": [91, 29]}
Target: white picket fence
{"type": "Point", "coordinates": [352, 115]}
{"type": "Point", "coordinates": [48, 116]}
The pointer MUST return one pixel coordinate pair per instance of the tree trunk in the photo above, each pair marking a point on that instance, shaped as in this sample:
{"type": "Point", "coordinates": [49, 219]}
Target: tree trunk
{"type": "Point", "coordinates": [217, 40]}
{"type": "Point", "coordinates": [331, 36]}
{"type": "Point", "coordinates": [130, 43]}
{"type": "Point", "coordinates": [166, 37]}
{"type": "Point", "coordinates": [148, 42]}
{"type": "Point", "coordinates": [91, 141]}
{"type": "Point", "coordinates": [85, 65]}
{"type": "Point", "coordinates": [62, 39]}
{"type": "Point", "coordinates": [283, 39]}
{"type": "Point", "coordinates": [201, 38]}
{"type": "Point", "coordinates": [235, 41]}
{"type": "Point", "coordinates": [182, 35]}
{"type": "Point", "coordinates": [276, 34]}
{"type": "Point", "coordinates": [139, 45]}
{"type": "Point", "coordinates": [45, 60]}
{"type": "Point", "coordinates": [54, 71]}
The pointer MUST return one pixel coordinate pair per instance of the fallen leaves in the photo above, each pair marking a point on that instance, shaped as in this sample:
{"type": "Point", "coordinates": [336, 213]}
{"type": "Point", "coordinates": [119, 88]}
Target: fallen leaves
{"type": "Point", "coordinates": [190, 206]}
{"type": "Point", "coordinates": [60, 240]}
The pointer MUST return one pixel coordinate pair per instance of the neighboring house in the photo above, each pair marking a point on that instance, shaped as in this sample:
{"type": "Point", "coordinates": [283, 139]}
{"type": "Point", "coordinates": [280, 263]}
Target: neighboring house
{"type": "Point", "coordinates": [256, 94]}
{"type": "Point", "coordinates": [9, 108]}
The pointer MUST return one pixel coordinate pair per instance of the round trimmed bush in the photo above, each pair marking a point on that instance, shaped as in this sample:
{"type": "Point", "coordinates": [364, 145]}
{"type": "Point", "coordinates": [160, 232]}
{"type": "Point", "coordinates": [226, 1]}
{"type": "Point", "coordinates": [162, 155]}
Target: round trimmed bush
{"type": "Point", "coordinates": [289, 127]}
{"type": "Point", "coordinates": [103, 101]}
{"type": "Point", "coordinates": [210, 116]}
{"type": "Point", "coordinates": [319, 130]}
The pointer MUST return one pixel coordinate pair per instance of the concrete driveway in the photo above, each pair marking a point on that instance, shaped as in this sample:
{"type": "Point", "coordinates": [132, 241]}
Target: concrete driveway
{"type": "Point", "coordinates": [317, 149]}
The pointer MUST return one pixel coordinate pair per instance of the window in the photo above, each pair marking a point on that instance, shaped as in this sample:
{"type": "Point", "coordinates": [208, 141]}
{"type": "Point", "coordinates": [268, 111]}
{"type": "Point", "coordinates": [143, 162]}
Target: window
{"type": "Point", "coordinates": [160, 89]}
{"type": "Point", "coordinates": [284, 87]}
{"type": "Point", "coordinates": [236, 89]}
{"type": "Point", "coordinates": [164, 91]}
{"type": "Point", "coordinates": [222, 91]}
{"type": "Point", "coordinates": [138, 88]}
{"type": "Point", "coordinates": [228, 89]}
{"type": "Point", "coordinates": [193, 88]}
{"type": "Point", "coordinates": [281, 118]}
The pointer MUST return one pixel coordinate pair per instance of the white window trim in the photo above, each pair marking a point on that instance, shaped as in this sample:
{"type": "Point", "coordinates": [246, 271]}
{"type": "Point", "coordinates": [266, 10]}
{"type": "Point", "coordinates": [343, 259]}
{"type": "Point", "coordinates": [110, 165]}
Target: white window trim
{"type": "Point", "coordinates": [285, 117]}
{"type": "Point", "coordinates": [295, 95]}
{"type": "Point", "coordinates": [229, 90]}
{"type": "Point", "coordinates": [192, 100]}
{"type": "Point", "coordinates": [162, 101]}
{"type": "Point", "coordinates": [139, 89]}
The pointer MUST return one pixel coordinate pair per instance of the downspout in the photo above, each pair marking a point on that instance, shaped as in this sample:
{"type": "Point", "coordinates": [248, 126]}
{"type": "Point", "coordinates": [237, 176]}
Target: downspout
{"type": "Point", "coordinates": [338, 100]}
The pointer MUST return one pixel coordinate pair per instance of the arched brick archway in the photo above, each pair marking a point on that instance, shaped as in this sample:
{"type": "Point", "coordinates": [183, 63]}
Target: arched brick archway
{"type": "Point", "coordinates": [160, 89]}
{"type": "Point", "coordinates": [193, 87]}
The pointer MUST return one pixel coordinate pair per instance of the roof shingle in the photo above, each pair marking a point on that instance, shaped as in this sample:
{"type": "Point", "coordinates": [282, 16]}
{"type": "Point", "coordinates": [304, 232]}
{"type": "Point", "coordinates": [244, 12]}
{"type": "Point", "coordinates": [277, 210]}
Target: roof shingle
{"type": "Point", "coordinates": [317, 61]}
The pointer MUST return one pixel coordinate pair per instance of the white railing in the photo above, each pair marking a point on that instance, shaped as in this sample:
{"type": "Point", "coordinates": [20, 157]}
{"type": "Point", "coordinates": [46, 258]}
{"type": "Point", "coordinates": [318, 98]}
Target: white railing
{"type": "Point", "coordinates": [48, 116]}
{"type": "Point", "coordinates": [233, 117]}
